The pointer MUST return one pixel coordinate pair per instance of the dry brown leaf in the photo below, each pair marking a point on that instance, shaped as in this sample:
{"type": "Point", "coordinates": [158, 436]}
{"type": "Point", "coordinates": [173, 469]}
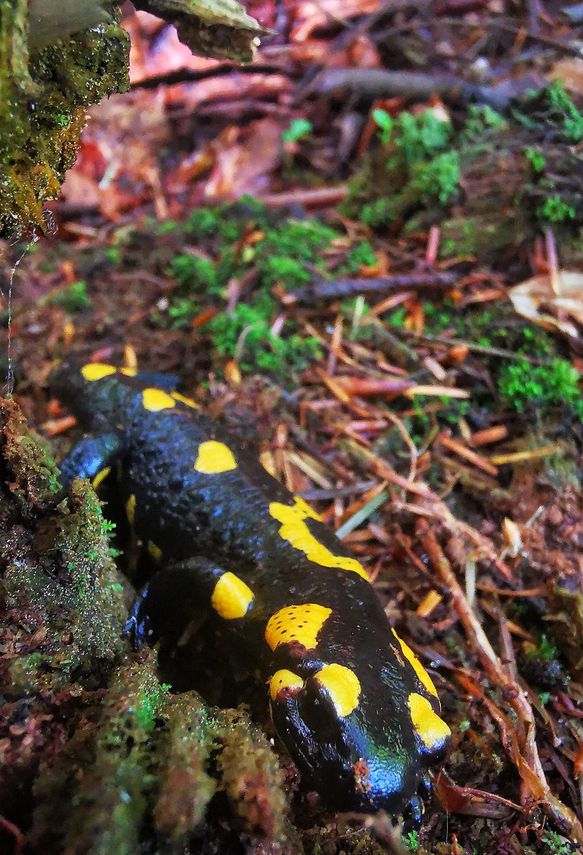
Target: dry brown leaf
{"type": "Point", "coordinates": [244, 161]}
{"type": "Point", "coordinates": [563, 312]}
{"type": "Point", "coordinates": [569, 70]}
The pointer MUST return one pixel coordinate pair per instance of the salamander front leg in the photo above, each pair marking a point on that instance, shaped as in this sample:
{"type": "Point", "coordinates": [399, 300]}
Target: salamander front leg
{"type": "Point", "coordinates": [165, 607]}
{"type": "Point", "coordinates": [91, 458]}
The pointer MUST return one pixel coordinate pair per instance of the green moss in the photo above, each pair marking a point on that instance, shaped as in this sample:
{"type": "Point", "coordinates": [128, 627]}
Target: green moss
{"type": "Point", "coordinates": [421, 136]}
{"type": "Point", "coordinates": [440, 316]}
{"type": "Point", "coordinates": [545, 650]}
{"type": "Point", "coordinates": [362, 255]}
{"type": "Point", "coordinates": [397, 317]}
{"type": "Point", "coordinates": [555, 844]}
{"type": "Point", "coordinates": [377, 213]}
{"type": "Point", "coordinates": [439, 178]}
{"type": "Point", "coordinates": [281, 268]}
{"type": "Point", "coordinates": [42, 110]}
{"type": "Point", "coordinates": [420, 168]}
{"type": "Point", "coordinates": [522, 385]}
{"type": "Point", "coordinates": [61, 578]}
{"type": "Point", "coordinates": [297, 130]}
{"type": "Point", "coordinates": [535, 158]}
{"type": "Point", "coordinates": [148, 704]}
{"type": "Point", "coordinates": [411, 841]}
{"type": "Point", "coordinates": [480, 120]}
{"type": "Point", "coordinates": [563, 104]}
{"type": "Point", "coordinates": [454, 410]}
{"type": "Point", "coordinates": [73, 297]}
{"type": "Point", "coordinates": [195, 273]}
{"type": "Point", "coordinates": [556, 210]}
{"type": "Point", "coordinates": [385, 124]}
{"type": "Point", "coordinates": [297, 239]}
{"type": "Point", "coordinates": [246, 335]}
{"type": "Point", "coordinates": [204, 222]}
{"type": "Point", "coordinates": [100, 789]}
{"type": "Point", "coordinates": [226, 222]}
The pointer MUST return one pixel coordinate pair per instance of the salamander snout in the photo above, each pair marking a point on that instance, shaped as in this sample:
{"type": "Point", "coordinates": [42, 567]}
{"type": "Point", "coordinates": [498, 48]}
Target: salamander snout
{"type": "Point", "coordinates": [360, 751]}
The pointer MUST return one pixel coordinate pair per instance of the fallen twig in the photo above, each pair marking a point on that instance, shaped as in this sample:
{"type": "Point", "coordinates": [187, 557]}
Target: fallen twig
{"type": "Point", "coordinates": [190, 75]}
{"type": "Point", "coordinates": [340, 288]}
{"type": "Point", "coordinates": [520, 742]}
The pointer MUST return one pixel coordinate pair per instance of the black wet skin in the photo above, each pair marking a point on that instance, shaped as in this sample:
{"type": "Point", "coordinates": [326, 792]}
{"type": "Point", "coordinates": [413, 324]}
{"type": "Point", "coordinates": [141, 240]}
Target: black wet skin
{"type": "Point", "coordinates": [370, 759]}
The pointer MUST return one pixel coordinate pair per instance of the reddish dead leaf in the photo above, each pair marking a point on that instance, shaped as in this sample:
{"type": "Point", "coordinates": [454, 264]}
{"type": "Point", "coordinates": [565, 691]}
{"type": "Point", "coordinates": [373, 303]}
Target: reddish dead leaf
{"type": "Point", "coordinates": [245, 160]}
{"type": "Point", "coordinates": [467, 800]}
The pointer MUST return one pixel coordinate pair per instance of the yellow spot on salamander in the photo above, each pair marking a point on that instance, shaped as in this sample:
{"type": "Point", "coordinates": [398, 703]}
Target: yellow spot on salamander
{"type": "Point", "coordinates": [342, 685]}
{"type": "Point", "coordinates": [100, 477]}
{"type": "Point", "coordinates": [188, 402]}
{"type": "Point", "coordinates": [214, 457]}
{"type": "Point", "coordinates": [131, 509]}
{"type": "Point", "coordinates": [128, 372]}
{"type": "Point", "coordinates": [97, 370]}
{"type": "Point", "coordinates": [155, 400]}
{"type": "Point", "coordinates": [296, 623]}
{"type": "Point", "coordinates": [306, 511]}
{"type": "Point", "coordinates": [422, 674]}
{"type": "Point", "coordinates": [231, 597]}
{"type": "Point", "coordinates": [155, 552]}
{"type": "Point", "coordinates": [294, 529]}
{"type": "Point", "coordinates": [282, 680]}
{"type": "Point", "coordinates": [432, 729]}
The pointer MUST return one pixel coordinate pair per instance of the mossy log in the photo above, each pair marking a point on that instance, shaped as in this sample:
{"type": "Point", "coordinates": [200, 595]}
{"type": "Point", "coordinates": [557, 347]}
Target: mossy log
{"type": "Point", "coordinates": [58, 58]}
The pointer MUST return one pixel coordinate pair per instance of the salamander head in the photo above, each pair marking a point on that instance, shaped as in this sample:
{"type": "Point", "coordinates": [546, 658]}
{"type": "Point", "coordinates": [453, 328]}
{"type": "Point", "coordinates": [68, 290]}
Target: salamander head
{"type": "Point", "coordinates": [363, 743]}
{"type": "Point", "coordinates": [92, 390]}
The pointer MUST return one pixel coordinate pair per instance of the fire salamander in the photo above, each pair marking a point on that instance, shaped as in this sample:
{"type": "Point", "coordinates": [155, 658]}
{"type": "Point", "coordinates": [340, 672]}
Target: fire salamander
{"type": "Point", "coordinates": [348, 697]}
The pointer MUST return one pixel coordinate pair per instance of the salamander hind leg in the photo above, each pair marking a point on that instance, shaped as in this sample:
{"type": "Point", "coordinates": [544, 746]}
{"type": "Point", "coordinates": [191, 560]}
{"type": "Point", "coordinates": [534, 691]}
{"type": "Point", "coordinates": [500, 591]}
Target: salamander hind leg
{"type": "Point", "coordinates": [167, 604]}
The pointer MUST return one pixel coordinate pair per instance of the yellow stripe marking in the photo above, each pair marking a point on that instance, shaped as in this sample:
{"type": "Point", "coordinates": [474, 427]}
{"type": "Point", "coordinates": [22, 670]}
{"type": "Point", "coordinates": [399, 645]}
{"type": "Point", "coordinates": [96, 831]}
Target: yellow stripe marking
{"type": "Point", "coordinates": [131, 509]}
{"type": "Point", "coordinates": [306, 511]}
{"type": "Point", "coordinates": [155, 400]}
{"type": "Point", "coordinates": [155, 552]}
{"type": "Point", "coordinates": [184, 400]}
{"type": "Point", "coordinates": [214, 457]}
{"type": "Point", "coordinates": [342, 685]}
{"type": "Point", "coordinates": [231, 597]}
{"type": "Point", "coordinates": [128, 372]}
{"type": "Point", "coordinates": [432, 729]}
{"type": "Point", "coordinates": [295, 530]}
{"type": "Point", "coordinates": [97, 371]}
{"type": "Point", "coordinates": [422, 674]}
{"type": "Point", "coordinates": [282, 680]}
{"type": "Point", "coordinates": [296, 623]}
{"type": "Point", "coordinates": [100, 477]}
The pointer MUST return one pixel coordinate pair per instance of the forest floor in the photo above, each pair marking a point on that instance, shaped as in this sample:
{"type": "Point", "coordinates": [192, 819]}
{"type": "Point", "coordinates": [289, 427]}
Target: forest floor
{"type": "Point", "coordinates": [418, 382]}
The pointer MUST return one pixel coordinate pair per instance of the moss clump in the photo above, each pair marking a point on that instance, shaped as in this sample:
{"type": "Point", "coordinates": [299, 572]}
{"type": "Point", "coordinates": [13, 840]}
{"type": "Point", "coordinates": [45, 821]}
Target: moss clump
{"type": "Point", "coordinates": [523, 385]}
{"type": "Point", "coordinates": [245, 334]}
{"type": "Point", "coordinates": [535, 158]}
{"type": "Point", "coordinates": [420, 168]}
{"type": "Point", "coordinates": [138, 774]}
{"type": "Point", "coordinates": [556, 210]}
{"type": "Point", "coordinates": [73, 297]}
{"type": "Point", "coordinates": [362, 255]}
{"type": "Point", "coordinates": [197, 277]}
{"type": "Point", "coordinates": [187, 740]}
{"type": "Point", "coordinates": [227, 222]}
{"type": "Point", "coordinates": [98, 789]}
{"type": "Point", "coordinates": [61, 583]}
{"type": "Point", "coordinates": [244, 240]}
